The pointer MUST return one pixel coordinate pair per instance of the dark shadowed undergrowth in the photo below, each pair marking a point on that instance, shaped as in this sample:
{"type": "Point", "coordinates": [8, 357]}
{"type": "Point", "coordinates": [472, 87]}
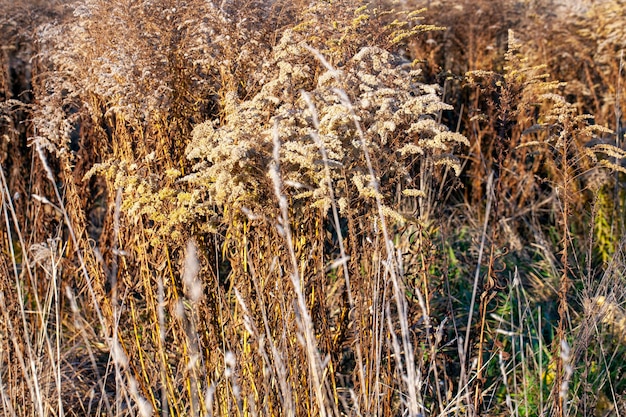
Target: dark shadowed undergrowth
{"type": "Point", "coordinates": [327, 208]}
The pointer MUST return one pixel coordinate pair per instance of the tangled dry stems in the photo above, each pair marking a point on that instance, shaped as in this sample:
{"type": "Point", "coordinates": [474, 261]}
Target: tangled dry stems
{"type": "Point", "coordinates": [274, 208]}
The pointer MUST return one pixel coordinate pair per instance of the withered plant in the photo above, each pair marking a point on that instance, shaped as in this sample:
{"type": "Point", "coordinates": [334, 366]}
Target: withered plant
{"type": "Point", "coordinates": [312, 208]}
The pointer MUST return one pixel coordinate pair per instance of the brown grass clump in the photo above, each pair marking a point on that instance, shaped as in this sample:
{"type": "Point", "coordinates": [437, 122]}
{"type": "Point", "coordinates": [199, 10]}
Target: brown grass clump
{"type": "Point", "coordinates": [327, 208]}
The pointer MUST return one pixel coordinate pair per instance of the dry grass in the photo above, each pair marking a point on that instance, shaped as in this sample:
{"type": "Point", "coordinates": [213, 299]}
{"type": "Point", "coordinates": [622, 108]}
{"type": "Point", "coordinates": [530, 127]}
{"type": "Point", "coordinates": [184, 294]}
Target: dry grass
{"type": "Point", "coordinates": [335, 208]}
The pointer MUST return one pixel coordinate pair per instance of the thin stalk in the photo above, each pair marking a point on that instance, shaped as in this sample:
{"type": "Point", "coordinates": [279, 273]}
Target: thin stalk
{"type": "Point", "coordinates": [466, 347]}
{"type": "Point", "coordinates": [342, 250]}
{"type": "Point", "coordinates": [305, 321]}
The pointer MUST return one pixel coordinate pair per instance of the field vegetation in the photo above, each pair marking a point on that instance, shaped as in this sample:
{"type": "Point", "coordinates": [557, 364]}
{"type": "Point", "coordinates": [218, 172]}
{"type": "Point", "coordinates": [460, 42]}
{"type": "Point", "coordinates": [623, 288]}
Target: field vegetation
{"type": "Point", "coordinates": [312, 208]}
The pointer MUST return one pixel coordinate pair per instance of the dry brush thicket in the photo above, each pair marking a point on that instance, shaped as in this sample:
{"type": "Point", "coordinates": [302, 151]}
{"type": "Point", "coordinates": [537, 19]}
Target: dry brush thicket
{"type": "Point", "coordinates": [312, 208]}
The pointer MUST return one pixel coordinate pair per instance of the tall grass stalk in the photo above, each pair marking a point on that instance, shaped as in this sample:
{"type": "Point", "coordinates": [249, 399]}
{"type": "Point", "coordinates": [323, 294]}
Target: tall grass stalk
{"type": "Point", "coordinates": [314, 361]}
{"type": "Point", "coordinates": [26, 356]}
{"type": "Point", "coordinates": [410, 375]}
{"type": "Point", "coordinates": [465, 353]}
